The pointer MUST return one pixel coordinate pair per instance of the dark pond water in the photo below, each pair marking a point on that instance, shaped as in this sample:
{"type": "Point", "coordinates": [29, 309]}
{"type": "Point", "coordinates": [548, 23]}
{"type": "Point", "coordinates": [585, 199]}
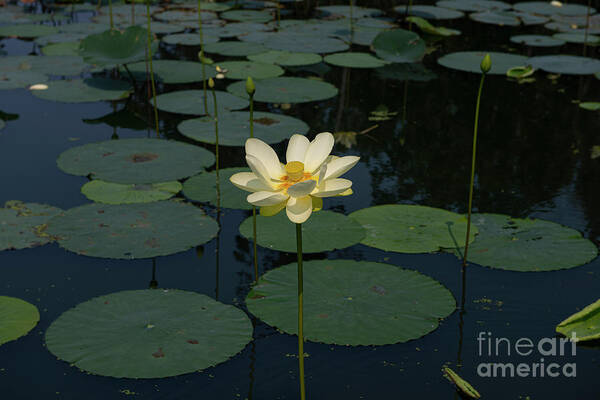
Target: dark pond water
{"type": "Point", "coordinates": [534, 160]}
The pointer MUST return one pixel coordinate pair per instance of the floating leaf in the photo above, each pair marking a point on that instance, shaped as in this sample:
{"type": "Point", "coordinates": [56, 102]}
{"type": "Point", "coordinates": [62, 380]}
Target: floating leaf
{"type": "Point", "coordinates": [462, 385]}
{"type": "Point", "coordinates": [19, 79]}
{"type": "Point", "coordinates": [128, 231]}
{"type": "Point", "coordinates": [61, 49]}
{"type": "Point", "coordinates": [115, 47]}
{"type": "Point", "coordinates": [49, 65]}
{"type": "Point", "coordinates": [565, 64]}
{"type": "Point", "coordinates": [345, 11]}
{"type": "Point", "coordinates": [136, 160]}
{"type": "Point", "coordinates": [192, 102]}
{"type": "Point", "coordinates": [148, 333]}
{"type": "Point", "coordinates": [235, 48]}
{"type": "Point", "coordinates": [473, 5]}
{"type": "Point", "coordinates": [527, 244]}
{"type": "Point", "coordinates": [247, 16]}
{"type": "Point", "coordinates": [234, 128]}
{"type": "Point", "coordinates": [17, 318]}
{"type": "Point", "coordinates": [245, 69]}
{"type": "Point", "coordinates": [118, 193]}
{"type": "Point", "coordinates": [496, 18]}
{"type": "Point", "coordinates": [520, 72]}
{"type": "Point", "coordinates": [240, 28]}
{"type": "Point", "coordinates": [202, 188]}
{"type": "Point", "coordinates": [189, 39]}
{"type": "Point", "coordinates": [85, 90]}
{"type": "Point", "coordinates": [429, 12]}
{"type": "Point", "coordinates": [354, 60]}
{"type": "Point", "coordinates": [470, 61]}
{"type": "Point", "coordinates": [59, 38]}
{"type": "Point", "coordinates": [323, 231]}
{"type": "Point", "coordinates": [21, 224]}
{"type": "Point", "coordinates": [551, 8]}
{"type": "Point", "coordinates": [172, 71]}
{"type": "Point", "coordinates": [123, 118]}
{"type": "Point", "coordinates": [590, 105]}
{"type": "Point", "coordinates": [578, 38]}
{"type": "Point", "coordinates": [304, 43]}
{"type": "Point", "coordinates": [286, 58]}
{"type": "Point", "coordinates": [426, 27]}
{"type": "Point", "coordinates": [27, 30]}
{"type": "Point", "coordinates": [537, 40]}
{"type": "Point", "coordinates": [410, 228]}
{"type": "Point", "coordinates": [286, 90]}
{"type": "Point", "coordinates": [583, 325]}
{"type": "Point", "coordinates": [399, 46]}
{"type": "Point", "coordinates": [339, 299]}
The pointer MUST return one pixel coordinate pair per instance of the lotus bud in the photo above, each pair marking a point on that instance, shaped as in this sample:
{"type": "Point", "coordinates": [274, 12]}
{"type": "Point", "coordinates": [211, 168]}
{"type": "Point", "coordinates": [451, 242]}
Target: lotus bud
{"type": "Point", "coordinates": [486, 64]}
{"type": "Point", "coordinates": [250, 88]}
{"type": "Point", "coordinates": [211, 83]}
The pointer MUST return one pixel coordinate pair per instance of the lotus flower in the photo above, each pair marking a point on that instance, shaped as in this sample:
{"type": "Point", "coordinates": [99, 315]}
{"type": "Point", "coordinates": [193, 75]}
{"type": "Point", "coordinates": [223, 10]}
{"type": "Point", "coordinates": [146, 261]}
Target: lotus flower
{"type": "Point", "coordinates": [298, 186]}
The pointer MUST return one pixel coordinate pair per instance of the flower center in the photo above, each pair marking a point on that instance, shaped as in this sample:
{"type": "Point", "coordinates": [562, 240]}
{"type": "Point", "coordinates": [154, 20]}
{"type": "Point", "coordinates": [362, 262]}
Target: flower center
{"type": "Point", "coordinates": [295, 170]}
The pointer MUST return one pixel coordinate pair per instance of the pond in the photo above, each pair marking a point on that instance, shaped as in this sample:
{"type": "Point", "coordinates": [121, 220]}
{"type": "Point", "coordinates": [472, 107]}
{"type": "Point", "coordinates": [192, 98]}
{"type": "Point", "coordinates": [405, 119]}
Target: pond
{"type": "Point", "coordinates": [387, 302]}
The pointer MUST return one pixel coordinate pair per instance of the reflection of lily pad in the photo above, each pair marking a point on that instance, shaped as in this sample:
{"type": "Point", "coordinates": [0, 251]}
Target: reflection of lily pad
{"type": "Point", "coordinates": [85, 90]}
{"type": "Point", "coordinates": [20, 224]}
{"type": "Point", "coordinates": [430, 12]}
{"type": "Point", "coordinates": [202, 188]}
{"type": "Point", "coordinates": [410, 228]}
{"type": "Point", "coordinates": [148, 333]}
{"type": "Point", "coordinates": [27, 30]}
{"type": "Point", "coordinates": [129, 231]}
{"type": "Point", "coordinates": [537, 40]}
{"type": "Point", "coordinates": [17, 318]}
{"type": "Point", "coordinates": [583, 325]}
{"type": "Point", "coordinates": [256, 70]}
{"type": "Point", "coordinates": [470, 61]}
{"type": "Point", "coordinates": [323, 231]}
{"type": "Point", "coordinates": [406, 72]}
{"type": "Point", "coordinates": [286, 58]}
{"type": "Point", "coordinates": [527, 244]}
{"type": "Point", "coordinates": [286, 90]}
{"type": "Point", "coordinates": [192, 102]}
{"type": "Point", "coordinates": [172, 71]}
{"type": "Point", "coordinates": [235, 48]}
{"type": "Point", "coordinates": [234, 128]}
{"type": "Point", "coordinates": [340, 297]}
{"type": "Point", "coordinates": [115, 47]}
{"type": "Point", "coordinates": [399, 46]}
{"type": "Point", "coordinates": [119, 193]}
{"type": "Point", "coordinates": [566, 64]}
{"type": "Point", "coordinates": [354, 60]}
{"type": "Point", "coordinates": [119, 119]}
{"type": "Point", "coordinates": [136, 160]}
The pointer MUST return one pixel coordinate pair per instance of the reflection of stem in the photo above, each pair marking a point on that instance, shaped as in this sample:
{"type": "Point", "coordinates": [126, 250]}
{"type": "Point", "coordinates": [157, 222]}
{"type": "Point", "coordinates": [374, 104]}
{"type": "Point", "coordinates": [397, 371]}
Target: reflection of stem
{"type": "Point", "coordinates": [351, 21]}
{"type": "Point", "coordinates": [202, 56]}
{"type": "Point", "coordinates": [278, 14]}
{"type": "Point", "coordinates": [404, 102]}
{"type": "Point", "coordinates": [112, 26]}
{"type": "Point", "coordinates": [217, 254]}
{"type": "Point", "coordinates": [130, 77]}
{"type": "Point", "coordinates": [216, 116]}
{"type": "Point", "coordinates": [587, 26]}
{"type": "Point", "coordinates": [340, 111]}
{"type": "Point", "coordinates": [153, 282]}
{"type": "Point", "coordinates": [132, 12]}
{"type": "Point", "coordinates": [461, 321]}
{"type": "Point", "coordinates": [252, 363]}
{"type": "Point", "coordinates": [473, 169]}
{"type": "Point", "coordinates": [407, 13]}
{"type": "Point", "coordinates": [253, 207]}
{"type": "Point", "coordinates": [300, 310]}
{"type": "Point", "coordinates": [149, 51]}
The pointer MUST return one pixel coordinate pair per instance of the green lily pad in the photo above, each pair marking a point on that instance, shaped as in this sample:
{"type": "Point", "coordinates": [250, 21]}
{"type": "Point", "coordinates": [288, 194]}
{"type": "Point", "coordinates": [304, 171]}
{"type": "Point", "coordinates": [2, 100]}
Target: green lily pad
{"type": "Point", "coordinates": [411, 229]}
{"type": "Point", "coordinates": [245, 69]}
{"type": "Point", "coordinates": [184, 15]}
{"type": "Point", "coordinates": [188, 39]}
{"type": "Point", "coordinates": [344, 11]}
{"type": "Point", "coordinates": [496, 18]}
{"type": "Point", "coordinates": [462, 385]}
{"type": "Point", "coordinates": [21, 222]}
{"type": "Point", "coordinates": [547, 8]}
{"type": "Point", "coordinates": [537, 40]}
{"type": "Point", "coordinates": [88, 28]}
{"type": "Point", "coordinates": [85, 90]}
{"type": "Point", "coordinates": [136, 160]}
{"type": "Point", "coordinates": [286, 90]}
{"type": "Point", "coordinates": [354, 60]}
{"type": "Point", "coordinates": [470, 61]}
{"type": "Point", "coordinates": [304, 43]}
{"type": "Point", "coordinates": [430, 12]}
{"type": "Point", "coordinates": [172, 71]}
{"type": "Point", "coordinates": [149, 333]}
{"type": "Point", "coordinates": [286, 58]}
{"type": "Point", "coordinates": [48, 65]}
{"type": "Point", "coordinates": [566, 64]}
{"type": "Point", "coordinates": [115, 47]}
{"type": "Point", "coordinates": [234, 29]}
{"type": "Point", "coordinates": [520, 72]}
{"type": "Point", "coordinates": [234, 128]}
{"type": "Point", "coordinates": [61, 49]}
{"type": "Point", "coordinates": [399, 46]}
{"type": "Point", "coordinates": [192, 102]}
{"type": "Point", "coordinates": [59, 38]}
{"type": "Point", "coordinates": [128, 231]}
{"type": "Point", "coordinates": [323, 231]}
{"type": "Point", "coordinates": [527, 244]}
{"type": "Point", "coordinates": [577, 38]}
{"type": "Point", "coordinates": [202, 188]}
{"type": "Point", "coordinates": [585, 324]}
{"type": "Point", "coordinates": [339, 299]}
{"type": "Point", "coordinates": [239, 49]}
{"type": "Point", "coordinates": [247, 16]}
{"type": "Point", "coordinates": [19, 79]}
{"type": "Point", "coordinates": [27, 30]}
{"type": "Point", "coordinates": [473, 5]}
{"type": "Point", "coordinates": [118, 193]}
{"type": "Point", "coordinates": [590, 105]}
{"type": "Point", "coordinates": [426, 27]}
{"type": "Point", "coordinates": [528, 19]}
{"type": "Point", "coordinates": [415, 72]}
{"type": "Point", "coordinates": [17, 318]}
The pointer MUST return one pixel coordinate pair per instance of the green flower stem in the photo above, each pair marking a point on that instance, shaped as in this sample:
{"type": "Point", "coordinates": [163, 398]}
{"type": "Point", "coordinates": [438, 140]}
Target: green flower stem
{"type": "Point", "coordinates": [473, 169]}
{"type": "Point", "coordinates": [407, 13]}
{"type": "Point", "coordinates": [216, 116]}
{"type": "Point", "coordinates": [202, 58]}
{"type": "Point", "coordinates": [300, 311]}
{"type": "Point", "coordinates": [587, 26]}
{"type": "Point", "coordinates": [112, 26]}
{"type": "Point", "coordinates": [253, 207]}
{"type": "Point", "coordinates": [149, 52]}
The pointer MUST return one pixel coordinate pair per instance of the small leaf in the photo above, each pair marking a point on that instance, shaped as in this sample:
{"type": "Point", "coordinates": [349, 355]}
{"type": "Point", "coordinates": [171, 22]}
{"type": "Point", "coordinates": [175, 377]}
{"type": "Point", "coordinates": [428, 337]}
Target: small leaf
{"type": "Point", "coordinates": [461, 384]}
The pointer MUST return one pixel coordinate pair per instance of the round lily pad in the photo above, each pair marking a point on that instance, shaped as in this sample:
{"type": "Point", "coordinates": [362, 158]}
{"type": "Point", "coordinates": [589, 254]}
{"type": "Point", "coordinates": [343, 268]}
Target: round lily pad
{"type": "Point", "coordinates": [119, 193]}
{"type": "Point", "coordinates": [149, 333]}
{"type": "Point", "coordinates": [136, 160]}
{"type": "Point", "coordinates": [256, 70]}
{"type": "Point", "coordinates": [354, 60]}
{"type": "Point", "coordinates": [399, 45]}
{"type": "Point", "coordinates": [411, 229]}
{"type": "Point", "coordinates": [473, 5]}
{"type": "Point", "coordinates": [528, 19]}
{"type": "Point", "coordinates": [184, 14]}
{"type": "Point", "coordinates": [27, 30]}
{"type": "Point", "coordinates": [128, 231]}
{"type": "Point", "coordinates": [173, 71]}
{"type": "Point", "coordinates": [286, 90]}
{"type": "Point", "coordinates": [527, 244]}
{"type": "Point", "coordinates": [17, 318]}
{"type": "Point", "coordinates": [547, 8]}
{"type": "Point", "coordinates": [234, 128]}
{"type": "Point", "coordinates": [496, 18]}
{"type": "Point", "coordinates": [323, 231]}
{"type": "Point", "coordinates": [61, 49]}
{"type": "Point", "coordinates": [286, 58]}
{"type": "Point", "coordinates": [343, 10]}
{"type": "Point", "coordinates": [565, 64]}
{"type": "Point", "coordinates": [18, 79]}
{"type": "Point", "coordinates": [304, 43]}
{"type": "Point", "coordinates": [88, 28]}
{"type": "Point", "coordinates": [577, 38]}
{"type": "Point", "coordinates": [537, 40]}
{"type": "Point", "coordinates": [247, 15]}
{"type": "Point", "coordinates": [241, 28]}
{"type": "Point", "coordinates": [192, 102]}
{"type": "Point", "coordinates": [202, 188]}
{"type": "Point", "coordinates": [235, 48]}
{"type": "Point", "coordinates": [85, 90]}
{"type": "Point", "coordinates": [115, 47]}
{"type": "Point", "coordinates": [48, 65]}
{"type": "Point", "coordinates": [59, 38]}
{"type": "Point", "coordinates": [22, 224]}
{"type": "Point", "coordinates": [470, 61]}
{"type": "Point", "coordinates": [430, 12]}
{"type": "Point", "coordinates": [188, 39]}
{"type": "Point", "coordinates": [340, 297]}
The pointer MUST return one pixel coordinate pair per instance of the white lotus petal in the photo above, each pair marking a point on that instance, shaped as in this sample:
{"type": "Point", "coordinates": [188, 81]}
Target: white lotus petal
{"type": "Point", "coordinates": [266, 198]}
{"type": "Point", "coordinates": [249, 182]}
{"type": "Point", "coordinates": [301, 189]}
{"type": "Point", "coordinates": [332, 187]}
{"type": "Point", "coordinates": [296, 150]}
{"type": "Point", "coordinates": [266, 154]}
{"type": "Point", "coordinates": [298, 209]}
{"type": "Point", "coordinates": [269, 211]}
{"type": "Point", "coordinates": [259, 170]}
{"type": "Point", "coordinates": [340, 166]}
{"type": "Point", "coordinates": [322, 172]}
{"type": "Point", "coordinates": [318, 151]}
